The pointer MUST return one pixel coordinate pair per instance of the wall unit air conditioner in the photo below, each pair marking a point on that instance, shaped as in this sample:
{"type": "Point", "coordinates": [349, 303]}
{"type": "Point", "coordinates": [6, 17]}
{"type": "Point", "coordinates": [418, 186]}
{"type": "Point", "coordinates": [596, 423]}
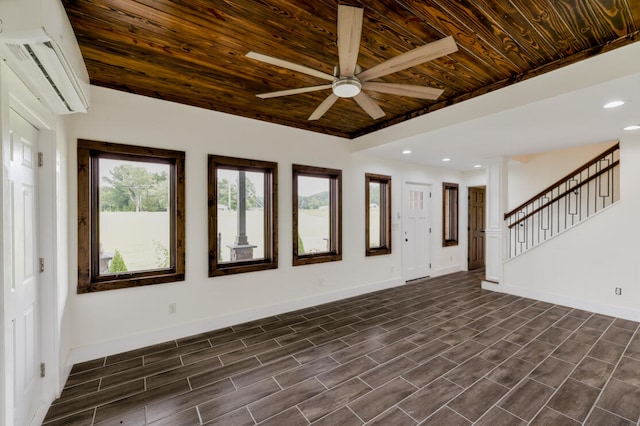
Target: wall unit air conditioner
{"type": "Point", "coordinates": [38, 43]}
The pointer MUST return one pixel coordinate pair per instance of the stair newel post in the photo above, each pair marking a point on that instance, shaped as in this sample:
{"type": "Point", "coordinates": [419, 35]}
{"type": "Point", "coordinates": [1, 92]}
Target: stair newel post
{"type": "Point", "coordinates": [496, 232]}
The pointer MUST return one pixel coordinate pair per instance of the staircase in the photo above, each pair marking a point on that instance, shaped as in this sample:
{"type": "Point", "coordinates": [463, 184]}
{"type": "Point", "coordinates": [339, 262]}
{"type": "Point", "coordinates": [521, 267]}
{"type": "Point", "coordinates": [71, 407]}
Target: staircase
{"type": "Point", "coordinates": [572, 199]}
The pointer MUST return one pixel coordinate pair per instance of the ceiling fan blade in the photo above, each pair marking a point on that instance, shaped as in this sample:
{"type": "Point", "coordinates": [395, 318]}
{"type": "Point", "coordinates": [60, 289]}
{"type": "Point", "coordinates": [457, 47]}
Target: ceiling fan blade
{"type": "Point", "coordinates": [411, 58]}
{"type": "Point", "coordinates": [290, 65]}
{"type": "Point", "coordinates": [293, 91]}
{"type": "Point", "coordinates": [369, 105]}
{"type": "Point", "coordinates": [349, 32]}
{"type": "Point", "coordinates": [422, 92]}
{"type": "Point", "coordinates": [324, 107]}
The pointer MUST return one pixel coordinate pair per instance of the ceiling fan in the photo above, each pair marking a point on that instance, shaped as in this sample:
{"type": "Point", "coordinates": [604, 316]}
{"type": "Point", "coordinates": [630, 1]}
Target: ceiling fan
{"type": "Point", "coordinates": [349, 80]}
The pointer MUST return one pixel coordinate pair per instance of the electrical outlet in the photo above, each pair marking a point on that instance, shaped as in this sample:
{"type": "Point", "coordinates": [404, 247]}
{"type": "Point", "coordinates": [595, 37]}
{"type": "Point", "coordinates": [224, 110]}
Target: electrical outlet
{"type": "Point", "coordinates": [173, 308]}
{"type": "Point", "coordinates": [618, 291]}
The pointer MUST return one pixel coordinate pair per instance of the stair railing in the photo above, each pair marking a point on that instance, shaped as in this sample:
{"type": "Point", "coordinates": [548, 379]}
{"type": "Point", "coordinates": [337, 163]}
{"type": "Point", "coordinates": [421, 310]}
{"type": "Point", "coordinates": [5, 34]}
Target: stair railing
{"type": "Point", "coordinates": [573, 198]}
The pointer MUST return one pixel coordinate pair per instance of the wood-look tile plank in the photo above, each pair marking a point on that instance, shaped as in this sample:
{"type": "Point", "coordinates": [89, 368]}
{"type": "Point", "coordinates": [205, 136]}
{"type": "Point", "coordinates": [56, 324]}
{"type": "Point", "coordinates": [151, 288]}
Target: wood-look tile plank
{"type": "Point", "coordinates": [599, 417]}
{"type": "Point", "coordinates": [342, 417]}
{"type": "Point", "coordinates": [183, 418]}
{"type": "Point", "coordinates": [429, 371]}
{"type": "Point", "coordinates": [138, 353]}
{"type": "Point", "coordinates": [468, 372]}
{"type": "Point", "coordinates": [394, 350]}
{"type": "Point", "coordinates": [446, 416]}
{"type": "Point", "coordinates": [356, 351]}
{"type": "Point", "coordinates": [548, 417]}
{"type": "Point", "coordinates": [129, 418]}
{"type": "Point", "coordinates": [498, 416]}
{"type": "Point", "coordinates": [249, 351]}
{"type": "Point", "coordinates": [622, 399]}
{"type": "Point", "coordinates": [284, 399]}
{"type": "Point", "coordinates": [552, 372]}
{"type": "Point", "coordinates": [264, 371]}
{"type": "Point", "coordinates": [473, 402]}
{"type": "Point", "coordinates": [211, 352]}
{"type": "Point", "coordinates": [174, 352]}
{"type": "Point", "coordinates": [213, 375]}
{"type": "Point", "coordinates": [84, 418]}
{"type": "Point", "coordinates": [66, 408]}
{"type": "Point", "coordinates": [388, 371]}
{"type": "Point", "coordinates": [239, 417]}
{"type": "Point", "coordinates": [179, 373]}
{"type": "Point", "coordinates": [382, 398]}
{"type": "Point", "coordinates": [333, 399]}
{"type": "Point", "coordinates": [140, 372]}
{"type": "Point", "coordinates": [574, 399]}
{"type": "Point", "coordinates": [234, 400]}
{"type": "Point", "coordinates": [290, 417]}
{"type": "Point", "coordinates": [395, 417]}
{"type": "Point", "coordinates": [141, 399]}
{"type": "Point", "coordinates": [430, 398]}
{"type": "Point", "coordinates": [306, 371]}
{"type": "Point", "coordinates": [526, 399]}
{"type": "Point", "coordinates": [189, 399]}
{"type": "Point", "coordinates": [98, 373]}
{"type": "Point", "coordinates": [346, 371]}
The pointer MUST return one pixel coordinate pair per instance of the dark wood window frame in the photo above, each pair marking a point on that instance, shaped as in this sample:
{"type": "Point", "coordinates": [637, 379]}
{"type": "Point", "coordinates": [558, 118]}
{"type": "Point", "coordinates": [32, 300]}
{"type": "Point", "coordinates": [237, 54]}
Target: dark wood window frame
{"type": "Point", "coordinates": [270, 171]}
{"type": "Point", "coordinates": [89, 153]}
{"type": "Point", "coordinates": [335, 214]}
{"type": "Point", "coordinates": [450, 214]}
{"type": "Point", "coordinates": [385, 214]}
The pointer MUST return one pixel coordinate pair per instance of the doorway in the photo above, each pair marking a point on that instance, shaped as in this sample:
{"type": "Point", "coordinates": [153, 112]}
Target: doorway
{"type": "Point", "coordinates": [23, 292]}
{"type": "Point", "coordinates": [416, 230]}
{"type": "Point", "coordinates": [477, 224]}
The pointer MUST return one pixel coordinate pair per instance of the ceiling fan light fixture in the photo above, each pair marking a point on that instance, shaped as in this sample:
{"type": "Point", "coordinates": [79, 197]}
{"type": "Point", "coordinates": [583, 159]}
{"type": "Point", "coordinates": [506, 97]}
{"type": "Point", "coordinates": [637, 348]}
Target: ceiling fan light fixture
{"type": "Point", "coordinates": [346, 87]}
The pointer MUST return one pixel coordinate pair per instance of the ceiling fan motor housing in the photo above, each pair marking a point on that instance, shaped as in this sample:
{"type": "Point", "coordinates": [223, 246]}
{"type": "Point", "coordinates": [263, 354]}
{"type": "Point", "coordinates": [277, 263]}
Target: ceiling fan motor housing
{"type": "Point", "coordinates": [346, 87]}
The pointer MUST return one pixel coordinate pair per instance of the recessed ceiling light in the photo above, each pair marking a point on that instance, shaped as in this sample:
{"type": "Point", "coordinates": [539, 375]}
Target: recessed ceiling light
{"type": "Point", "coordinates": [446, 159]}
{"type": "Point", "coordinates": [633, 127]}
{"type": "Point", "coordinates": [477, 166]}
{"type": "Point", "coordinates": [613, 104]}
{"type": "Point", "coordinates": [406, 151]}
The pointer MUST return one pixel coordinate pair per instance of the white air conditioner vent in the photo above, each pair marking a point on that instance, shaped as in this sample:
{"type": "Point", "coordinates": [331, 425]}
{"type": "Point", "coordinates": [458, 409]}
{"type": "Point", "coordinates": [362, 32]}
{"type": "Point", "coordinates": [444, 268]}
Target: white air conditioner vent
{"type": "Point", "coordinates": [37, 42]}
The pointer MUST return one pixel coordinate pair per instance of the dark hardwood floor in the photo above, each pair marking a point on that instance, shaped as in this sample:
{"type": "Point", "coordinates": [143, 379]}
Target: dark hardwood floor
{"type": "Point", "coordinates": [439, 351]}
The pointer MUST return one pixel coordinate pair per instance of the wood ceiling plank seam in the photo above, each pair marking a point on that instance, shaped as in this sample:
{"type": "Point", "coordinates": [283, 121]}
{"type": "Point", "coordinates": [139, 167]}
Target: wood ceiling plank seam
{"type": "Point", "coordinates": [441, 78]}
{"type": "Point", "coordinates": [581, 24]}
{"type": "Point", "coordinates": [584, 54]}
{"type": "Point", "coordinates": [467, 40]}
{"type": "Point", "coordinates": [159, 71]}
{"type": "Point", "coordinates": [510, 21]}
{"type": "Point", "coordinates": [492, 35]}
{"type": "Point", "coordinates": [634, 10]}
{"type": "Point", "coordinates": [203, 25]}
{"type": "Point", "coordinates": [619, 18]}
{"type": "Point", "coordinates": [463, 55]}
{"type": "Point", "coordinates": [546, 21]}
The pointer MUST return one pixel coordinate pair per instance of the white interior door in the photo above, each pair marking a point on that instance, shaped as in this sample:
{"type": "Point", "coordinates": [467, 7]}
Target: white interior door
{"type": "Point", "coordinates": [416, 235]}
{"type": "Point", "coordinates": [23, 296]}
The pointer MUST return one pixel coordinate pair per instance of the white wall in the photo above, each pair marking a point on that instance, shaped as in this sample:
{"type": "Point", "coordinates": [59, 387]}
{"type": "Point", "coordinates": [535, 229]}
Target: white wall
{"type": "Point", "coordinates": [583, 266]}
{"type": "Point", "coordinates": [528, 175]}
{"type": "Point", "coordinates": [112, 321]}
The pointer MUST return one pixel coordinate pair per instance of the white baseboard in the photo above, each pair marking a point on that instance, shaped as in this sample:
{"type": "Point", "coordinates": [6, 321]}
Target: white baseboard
{"type": "Point", "coordinates": [560, 299]}
{"type": "Point", "coordinates": [102, 349]}
{"type": "Point", "coordinates": [436, 272]}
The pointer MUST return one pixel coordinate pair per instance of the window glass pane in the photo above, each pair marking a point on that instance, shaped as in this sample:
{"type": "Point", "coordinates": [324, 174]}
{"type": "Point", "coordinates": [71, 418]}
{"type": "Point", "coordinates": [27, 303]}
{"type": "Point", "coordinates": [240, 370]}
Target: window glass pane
{"type": "Point", "coordinates": [314, 225]}
{"type": "Point", "coordinates": [134, 216]}
{"type": "Point", "coordinates": [375, 224]}
{"type": "Point", "coordinates": [240, 215]}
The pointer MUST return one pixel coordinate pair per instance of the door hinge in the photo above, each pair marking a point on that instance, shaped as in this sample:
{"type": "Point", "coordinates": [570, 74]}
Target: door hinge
{"type": "Point", "coordinates": [429, 266]}
{"type": "Point", "coordinates": [429, 195]}
{"type": "Point", "coordinates": [41, 264]}
{"type": "Point", "coordinates": [40, 159]}
{"type": "Point", "coordinates": [429, 230]}
{"type": "Point", "coordinates": [43, 369]}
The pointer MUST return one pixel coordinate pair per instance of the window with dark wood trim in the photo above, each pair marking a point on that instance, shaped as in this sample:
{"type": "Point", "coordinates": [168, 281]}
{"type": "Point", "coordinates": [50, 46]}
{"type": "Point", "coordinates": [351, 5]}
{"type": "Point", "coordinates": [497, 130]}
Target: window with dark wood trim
{"type": "Point", "coordinates": [449, 214]}
{"type": "Point", "coordinates": [131, 210]}
{"type": "Point", "coordinates": [317, 215]}
{"type": "Point", "coordinates": [243, 215]}
{"type": "Point", "coordinates": [377, 214]}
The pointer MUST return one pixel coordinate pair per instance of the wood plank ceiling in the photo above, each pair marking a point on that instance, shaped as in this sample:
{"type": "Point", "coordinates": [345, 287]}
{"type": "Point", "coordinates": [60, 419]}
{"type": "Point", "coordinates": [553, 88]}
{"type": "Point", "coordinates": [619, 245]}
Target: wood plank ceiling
{"type": "Point", "coordinates": [193, 51]}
